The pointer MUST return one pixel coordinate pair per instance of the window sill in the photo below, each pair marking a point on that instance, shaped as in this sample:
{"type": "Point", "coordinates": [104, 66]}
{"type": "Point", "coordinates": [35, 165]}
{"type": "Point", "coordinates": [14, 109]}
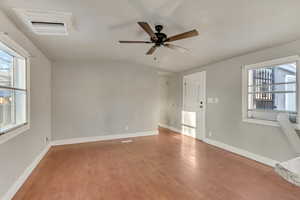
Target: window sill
{"type": "Point", "coordinates": [262, 122]}
{"type": "Point", "coordinates": [297, 127]}
{"type": "Point", "coordinates": [13, 133]}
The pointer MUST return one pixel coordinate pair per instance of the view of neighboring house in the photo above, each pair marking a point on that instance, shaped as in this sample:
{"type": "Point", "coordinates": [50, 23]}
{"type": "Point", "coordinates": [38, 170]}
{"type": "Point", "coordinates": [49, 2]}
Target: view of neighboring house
{"type": "Point", "coordinates": [273, 89]}
{"type": "Point", "coordinates": [7, 114]}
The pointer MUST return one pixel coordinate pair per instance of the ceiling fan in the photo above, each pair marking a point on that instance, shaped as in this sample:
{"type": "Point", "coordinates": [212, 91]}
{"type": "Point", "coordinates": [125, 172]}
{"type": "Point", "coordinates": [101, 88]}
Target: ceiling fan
{"type": "Point", "coordinates": [160, 39]}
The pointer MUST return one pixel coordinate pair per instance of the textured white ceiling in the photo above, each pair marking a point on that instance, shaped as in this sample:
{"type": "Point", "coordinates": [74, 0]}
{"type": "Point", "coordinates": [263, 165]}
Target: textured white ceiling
{"type": "Point", "coordinates": [227, 28]}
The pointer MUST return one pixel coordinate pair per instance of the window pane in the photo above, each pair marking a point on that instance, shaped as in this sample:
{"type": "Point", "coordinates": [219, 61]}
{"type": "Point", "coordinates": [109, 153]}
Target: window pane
{"type": "Point", "coordinates": [271, 75]}
{"type": "Point", "coordinates": [260, 114]}
{"type": "Point", "coordinates": [277, 102]}
{"type": "Point", "coordinates": [12, 109]}
{"type": "Point", "coordinates": [6, 69]}
{"type": "Point", "coordinates": [12, 71]}
{"type": "Point", "coordinates": [272, 89]}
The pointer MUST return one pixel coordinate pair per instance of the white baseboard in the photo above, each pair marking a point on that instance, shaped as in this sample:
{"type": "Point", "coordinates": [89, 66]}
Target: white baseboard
{"type": "Point", "coordinates": [244, 153]}
{"type": "Point", "coordinates": [21, 180]}
{"type": "Point", "coordinates": [171, 128]}
{"type": "Point", "coordinates": [103, 137]}
{"type": "Point", "coordinates": [176, 130]}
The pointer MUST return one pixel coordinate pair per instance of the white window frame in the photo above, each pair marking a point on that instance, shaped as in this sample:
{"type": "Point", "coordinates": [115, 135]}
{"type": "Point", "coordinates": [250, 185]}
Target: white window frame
{"type": "Point", "coordinates": [286, 88]}
{"type": "Point", "coordinates": [5, 39]}
{"type": "Point", "coordinates": [274, 62]}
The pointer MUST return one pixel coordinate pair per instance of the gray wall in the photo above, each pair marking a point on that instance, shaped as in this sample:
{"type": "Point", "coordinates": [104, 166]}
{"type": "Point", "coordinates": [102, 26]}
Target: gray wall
{"type": "Point", "coordinates": [174, 101]}
{"type": "Point", "coordinates": [101, 98]}
{"type": "Point", "coordinates": [163, 99]}
{"type": "Point", "coordinates": [224, 119]}
{"type": "Point", "coordinates": [18, 153]}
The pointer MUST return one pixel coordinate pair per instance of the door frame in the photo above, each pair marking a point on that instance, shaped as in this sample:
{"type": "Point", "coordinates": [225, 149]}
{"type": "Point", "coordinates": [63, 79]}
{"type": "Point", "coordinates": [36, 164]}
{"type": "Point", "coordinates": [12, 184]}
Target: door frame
{"type": "Point", "coordinates": [203, 129]}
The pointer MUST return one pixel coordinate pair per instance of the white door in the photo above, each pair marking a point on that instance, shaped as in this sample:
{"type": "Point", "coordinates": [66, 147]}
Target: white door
{"type": "Point", "coordinates": [194, 105]}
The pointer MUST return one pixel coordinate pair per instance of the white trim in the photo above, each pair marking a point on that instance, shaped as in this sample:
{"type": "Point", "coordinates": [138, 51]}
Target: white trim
{"type": "Point", "coordinates": [298, 92]}
{"type": "Point", "coordinates": [244, 153]}
{"type": "Point", "coordinates": [172, 128]}
{"type": "Point", "coordinates": [28, 109]}
{"type": "Point", "coordinates": [261, 122]}
{"type": "Point", "coordinates": [245, 69]}
{"type": "Point", "coordinates": [199, 127]}
{"type": "Point", "coordinates": [19, 50]}
{"type": "Point", "coordinates": [103, 137]}
{"type": "Point", "coordinates": [273, 62]}
{"type": "Point", "coordinates": [23, 177]}
{"type": "Point", "coordinates": [13, 133]}
{"type": "Point", "coordinates": [241, 152]}
{"type": "Point", "coordinates": [27, 16]}
{"type": "Point", "coordinates": [177, 130]}
{"type": "Point", "coordinates": [203, 125]}
{"type": "Point", "coordinates": [287, 79]}
{"type": "Point", "coordinates": [21, 180]}
{"type": "Point", "coordinates": [297, 126]}
{"type": "Point", "coordinates": [13, 45]}
{"type": "Point", "coordinates": [268, 123]}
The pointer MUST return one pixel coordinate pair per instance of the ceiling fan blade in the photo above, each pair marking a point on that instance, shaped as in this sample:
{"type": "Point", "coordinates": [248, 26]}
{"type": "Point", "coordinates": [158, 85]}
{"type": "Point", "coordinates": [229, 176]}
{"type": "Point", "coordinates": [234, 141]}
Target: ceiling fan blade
{"type": "Point", "coordinates": [148, 29]}
{"type": "Point", "coordinates": [181, 36]}
{"type": "Point", "coordinates": [176, 47]}
{"type": "Point", "coordinates": [131, 42]}
{"type": "Point", "coordinates": [151, 51]}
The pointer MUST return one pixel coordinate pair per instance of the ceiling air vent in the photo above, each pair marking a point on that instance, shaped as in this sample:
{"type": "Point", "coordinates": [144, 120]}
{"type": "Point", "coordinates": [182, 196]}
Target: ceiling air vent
{"type": "Point", "coordinates": [46, 22]}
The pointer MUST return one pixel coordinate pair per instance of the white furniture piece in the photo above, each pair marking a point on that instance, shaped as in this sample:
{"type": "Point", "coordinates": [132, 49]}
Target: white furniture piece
{"type": "Point", "coordinates": [289, 170]}
{"type": "Point", "coordinates": [289, 131]}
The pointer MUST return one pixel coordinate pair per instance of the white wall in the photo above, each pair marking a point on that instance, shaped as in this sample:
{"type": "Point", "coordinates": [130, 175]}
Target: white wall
{"type": "Point", "coordinates": [102, 98]}
{"type": "Point", "coordinates": [17, 153]}
{"type": "Point", "coordinates": [224, 119]}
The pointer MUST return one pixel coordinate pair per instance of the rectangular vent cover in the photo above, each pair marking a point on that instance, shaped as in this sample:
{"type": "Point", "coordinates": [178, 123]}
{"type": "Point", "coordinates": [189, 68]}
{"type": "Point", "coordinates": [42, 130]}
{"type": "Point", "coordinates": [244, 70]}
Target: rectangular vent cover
{"type": "Point", "coordinates": [46, 22]}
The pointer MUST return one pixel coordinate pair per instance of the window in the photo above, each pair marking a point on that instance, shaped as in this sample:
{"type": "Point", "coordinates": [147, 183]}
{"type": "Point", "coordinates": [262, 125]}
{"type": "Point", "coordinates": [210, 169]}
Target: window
{"type": "Point", "coordinates": [270, 88]}
{"type": "Point", "coordinates": [13, 88]}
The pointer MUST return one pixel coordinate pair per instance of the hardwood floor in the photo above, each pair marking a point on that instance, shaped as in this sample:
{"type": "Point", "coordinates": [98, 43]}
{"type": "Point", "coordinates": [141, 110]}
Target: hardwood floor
{"type": "Point", "coordinates": [168, 166]}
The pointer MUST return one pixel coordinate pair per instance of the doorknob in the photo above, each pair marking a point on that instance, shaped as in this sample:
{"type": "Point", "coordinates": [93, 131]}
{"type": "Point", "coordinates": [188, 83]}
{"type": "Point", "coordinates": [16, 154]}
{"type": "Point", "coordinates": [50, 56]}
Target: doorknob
{"type": "Point", "coordinates": [201, 104]}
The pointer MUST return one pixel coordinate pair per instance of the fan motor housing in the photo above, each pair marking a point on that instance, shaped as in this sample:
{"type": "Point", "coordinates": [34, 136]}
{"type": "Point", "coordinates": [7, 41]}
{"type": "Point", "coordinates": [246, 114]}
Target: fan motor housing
{"type": "Point", "coordinates": [161, 37]}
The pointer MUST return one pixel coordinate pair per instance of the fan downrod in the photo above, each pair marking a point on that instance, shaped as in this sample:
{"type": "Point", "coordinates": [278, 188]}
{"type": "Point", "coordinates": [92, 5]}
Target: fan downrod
{"type": "Point", "coordinates": [159, 28]}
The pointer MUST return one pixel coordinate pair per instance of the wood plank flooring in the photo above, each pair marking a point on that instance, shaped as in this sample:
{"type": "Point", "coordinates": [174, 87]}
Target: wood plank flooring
{"type": "Point", "coordinates": [164, 167]}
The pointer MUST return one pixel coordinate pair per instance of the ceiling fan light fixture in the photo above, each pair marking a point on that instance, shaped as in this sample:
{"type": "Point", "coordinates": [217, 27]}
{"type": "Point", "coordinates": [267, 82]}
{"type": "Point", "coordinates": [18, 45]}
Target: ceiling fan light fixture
{"type": "Point", "coordinates": [158, 39]}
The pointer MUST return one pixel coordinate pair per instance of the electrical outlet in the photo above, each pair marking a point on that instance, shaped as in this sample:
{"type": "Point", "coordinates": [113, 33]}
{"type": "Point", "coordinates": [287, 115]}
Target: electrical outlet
{"type": "Point", "coordinates": [209, 133]}
{"type": "Point", "coordinates": [126, 128]}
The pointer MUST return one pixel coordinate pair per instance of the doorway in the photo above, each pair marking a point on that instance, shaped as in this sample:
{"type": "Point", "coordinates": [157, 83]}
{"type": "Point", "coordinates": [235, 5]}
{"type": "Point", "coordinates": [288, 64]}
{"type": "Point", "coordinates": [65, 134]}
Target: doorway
{"type": "Point", "coordinates": [194, 105]}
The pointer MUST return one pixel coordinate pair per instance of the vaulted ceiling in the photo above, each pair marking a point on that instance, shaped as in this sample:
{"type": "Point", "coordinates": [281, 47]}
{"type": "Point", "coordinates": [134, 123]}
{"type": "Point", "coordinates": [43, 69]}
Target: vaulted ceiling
{"type": "Point", "coordinates": [227, 28]}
